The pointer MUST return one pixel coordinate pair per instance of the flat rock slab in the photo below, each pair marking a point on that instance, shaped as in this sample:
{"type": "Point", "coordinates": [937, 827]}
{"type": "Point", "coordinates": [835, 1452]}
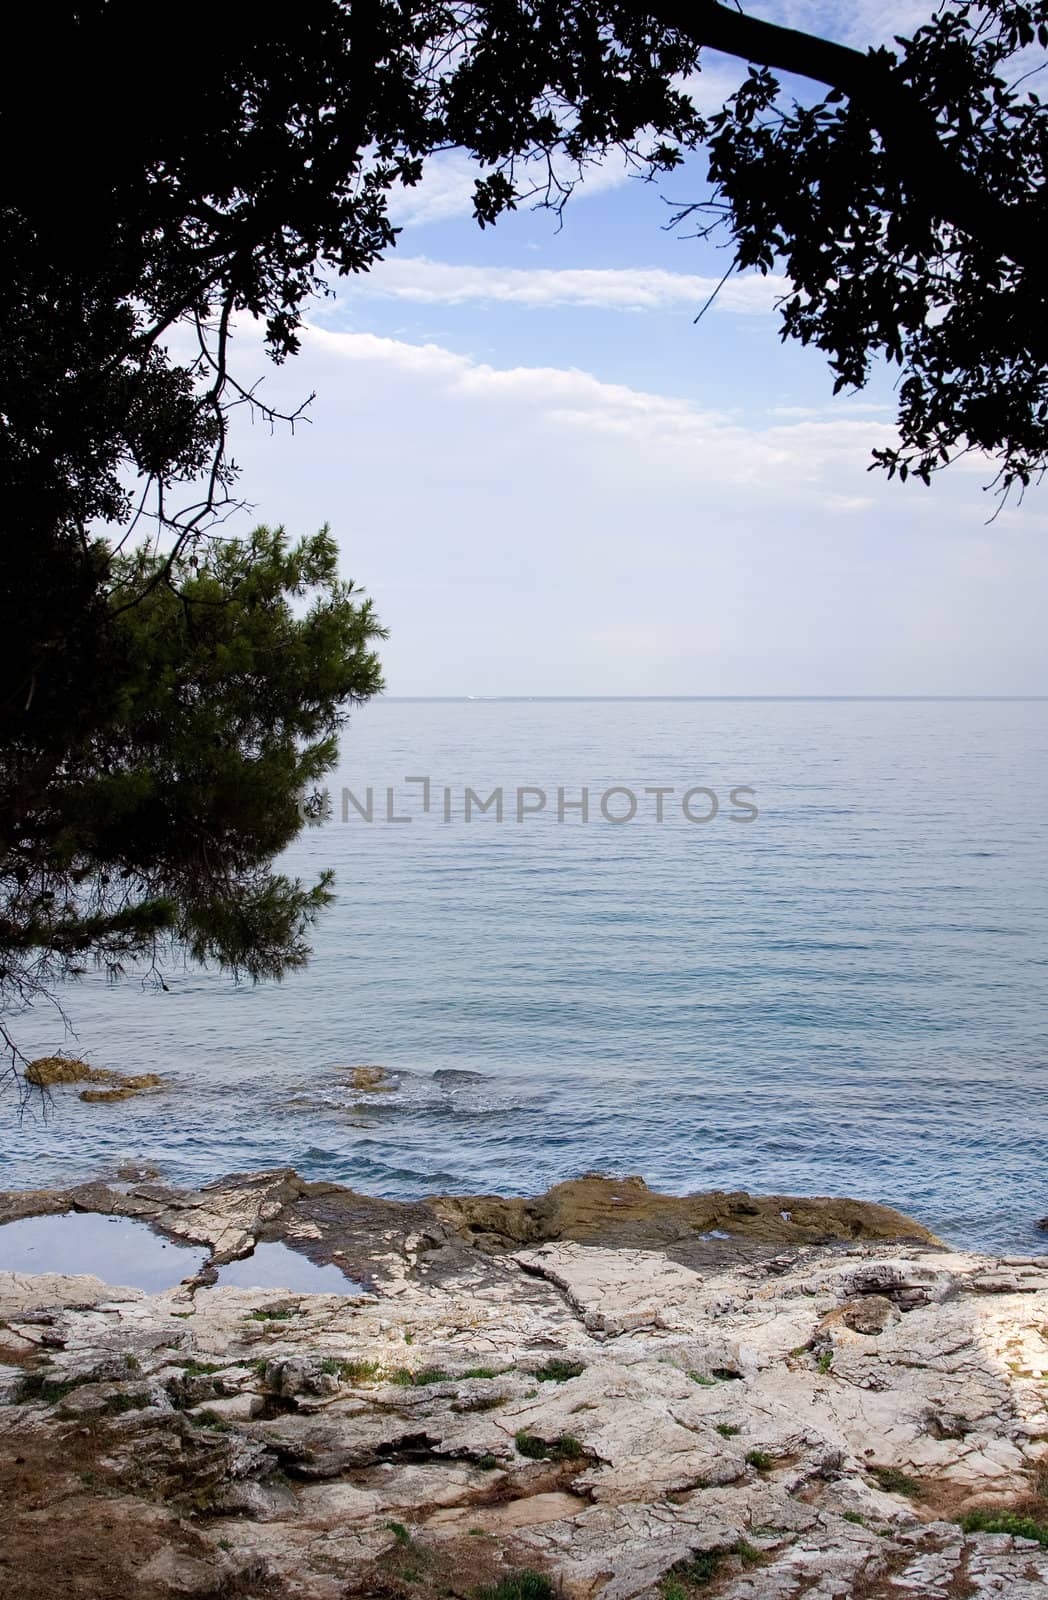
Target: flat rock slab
{"type": "Point", "coordinates": [387, 1243]}
{"type": "Point", "coordinates": [808, 1419]}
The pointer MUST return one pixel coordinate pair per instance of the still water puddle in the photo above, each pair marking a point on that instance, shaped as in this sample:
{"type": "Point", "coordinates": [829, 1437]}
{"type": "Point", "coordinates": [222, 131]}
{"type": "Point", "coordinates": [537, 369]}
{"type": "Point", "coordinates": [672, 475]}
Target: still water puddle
{"type": "Point", "coordinates": [275, 1266]}
{"type": "Point", "coordinates": [115, 1249]}
{"type": "Point", "coordinates": [127, 1254]}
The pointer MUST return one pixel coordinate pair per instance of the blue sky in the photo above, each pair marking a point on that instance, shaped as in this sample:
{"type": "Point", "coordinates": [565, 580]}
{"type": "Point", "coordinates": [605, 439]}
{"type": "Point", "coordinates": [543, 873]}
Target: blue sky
{"type": "Point", "coordinates": [552, 480]}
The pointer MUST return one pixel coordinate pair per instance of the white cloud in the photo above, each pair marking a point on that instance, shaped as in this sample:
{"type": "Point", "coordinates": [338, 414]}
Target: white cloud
{"type": "Point", "coordinates": [534, 529]}
{"type": "Point", "coordinates": [838, 407]}
{"type": "Point", "coordinates": [445, 190]}
{"type": "Point", "coordinates": [849, 502]}
{"type": "Point", "coordinates": [716, 80]}
{"type": "Point", "coordinates": [620, 289]}
{"type": "Point", "coordinates": [860, 25]}
{"type": "Point", "coordinates": [786, 457]}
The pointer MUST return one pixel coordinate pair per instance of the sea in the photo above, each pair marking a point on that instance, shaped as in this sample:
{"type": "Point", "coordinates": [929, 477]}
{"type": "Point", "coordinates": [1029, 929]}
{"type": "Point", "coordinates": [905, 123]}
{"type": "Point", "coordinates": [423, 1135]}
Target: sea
{"type": "Point", "coordinates": [793, 946]}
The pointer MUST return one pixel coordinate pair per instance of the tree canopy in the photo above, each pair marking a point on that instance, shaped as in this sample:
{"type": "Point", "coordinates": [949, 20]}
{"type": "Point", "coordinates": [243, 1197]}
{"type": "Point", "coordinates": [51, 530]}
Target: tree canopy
{"type": "Point", "coordinates": [163, 184]}
{"type": "Point", "coordinates": [174, 169]}
{"type": "Point", "coordinates": [212, 712]}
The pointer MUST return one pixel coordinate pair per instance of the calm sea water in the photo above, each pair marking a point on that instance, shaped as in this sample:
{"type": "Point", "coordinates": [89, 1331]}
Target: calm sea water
{"type": "Point", "coordinates": [847, 995]}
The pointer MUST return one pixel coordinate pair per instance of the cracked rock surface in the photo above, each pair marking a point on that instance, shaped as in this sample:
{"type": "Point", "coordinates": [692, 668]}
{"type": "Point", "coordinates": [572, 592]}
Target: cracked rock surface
{"type": "Point", "coordinates": [627, 1414]}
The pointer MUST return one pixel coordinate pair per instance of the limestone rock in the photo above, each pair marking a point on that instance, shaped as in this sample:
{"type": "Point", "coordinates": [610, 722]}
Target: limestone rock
{"type": "Point", "coordinates": [230, 1408]}
{"type": "Point", "coordinates": [297, 1375]}
{"type": "Point", "coordinates": [808, 1420]}
{"type": "Point", "coordinates": [868, 1314]}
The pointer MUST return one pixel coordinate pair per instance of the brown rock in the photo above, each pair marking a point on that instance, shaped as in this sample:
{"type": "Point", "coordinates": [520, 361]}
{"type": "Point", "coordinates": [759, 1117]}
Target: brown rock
{"type": "Point", "coordinates": [123, 1088]}
{"type": "Point", "coordinates": [870, 1314]}
{"type": "Point", "coordinates": [46, 1070]}
{"type": "Point", "coordinates": [371, 1080]}
{"type": "Point", "coordinates": [625, 1212]}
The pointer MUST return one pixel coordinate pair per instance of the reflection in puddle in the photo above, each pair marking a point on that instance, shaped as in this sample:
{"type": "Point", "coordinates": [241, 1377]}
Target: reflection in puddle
{"type": "Point", "coordinates": [115, 1249]}
{"type": "Point", "coordinates": [274, 1266]}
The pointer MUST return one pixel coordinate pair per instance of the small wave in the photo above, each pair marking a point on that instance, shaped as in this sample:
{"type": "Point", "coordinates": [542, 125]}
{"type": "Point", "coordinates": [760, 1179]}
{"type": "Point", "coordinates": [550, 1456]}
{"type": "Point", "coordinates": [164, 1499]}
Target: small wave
{"type": "Point", "coordinates": [435, 1108]}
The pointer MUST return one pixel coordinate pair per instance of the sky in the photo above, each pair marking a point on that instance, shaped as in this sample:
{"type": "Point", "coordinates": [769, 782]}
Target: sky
{"type": "Point", "coordinates": [552, 480]}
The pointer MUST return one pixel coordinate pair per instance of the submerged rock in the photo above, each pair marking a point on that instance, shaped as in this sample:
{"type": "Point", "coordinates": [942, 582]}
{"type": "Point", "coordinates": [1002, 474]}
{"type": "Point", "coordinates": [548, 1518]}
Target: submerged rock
{"type": "Point", "coordinates": [47, 1071]}
{"type": "Point", "coordinates": [369, 1080]}
{"type": "Point", "coordinates": [123, 1088]}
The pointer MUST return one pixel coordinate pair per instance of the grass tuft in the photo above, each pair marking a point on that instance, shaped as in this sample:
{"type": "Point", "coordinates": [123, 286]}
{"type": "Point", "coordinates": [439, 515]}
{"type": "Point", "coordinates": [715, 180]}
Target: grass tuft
{"type": "Point", "coordinates": [748, 1554]}
{"type": "Point", "coordinates": [989, 1521]}
{"type": "Point", "coordinates": [38, 1386]}
{"type": "Point", "coordinates": [406, 1379]}
{"type": "Point", "coordinates": [893, 1481]}
{"type": "Point", "coordinates": [117, 1404]}
{"type": "Point", "coordinates": [704, 1567]}
{"type": "Point", "coordinates": [357, 1371]}
{"type": "Point", "coordinates": [480, 1402]}
{"type": "Point", "coordinates": [524, 1584]}
{"type": "Point", "coordinates": [698, 1570]}
{"type": "Point", "coordinates": [211, 1419]}
{"type": "Point", "coordinates": [565, 1448]}
{"type": "Point", "coordinates": [557, 1371]}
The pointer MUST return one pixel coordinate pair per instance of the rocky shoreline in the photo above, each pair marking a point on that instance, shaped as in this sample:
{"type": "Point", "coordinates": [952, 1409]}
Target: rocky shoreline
{"type": "Point", "coordinates": [620, 1393]}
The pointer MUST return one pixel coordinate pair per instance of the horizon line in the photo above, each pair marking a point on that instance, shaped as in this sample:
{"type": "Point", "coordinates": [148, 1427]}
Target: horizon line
{"type": "Point", "coordinates": [456, 699]}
